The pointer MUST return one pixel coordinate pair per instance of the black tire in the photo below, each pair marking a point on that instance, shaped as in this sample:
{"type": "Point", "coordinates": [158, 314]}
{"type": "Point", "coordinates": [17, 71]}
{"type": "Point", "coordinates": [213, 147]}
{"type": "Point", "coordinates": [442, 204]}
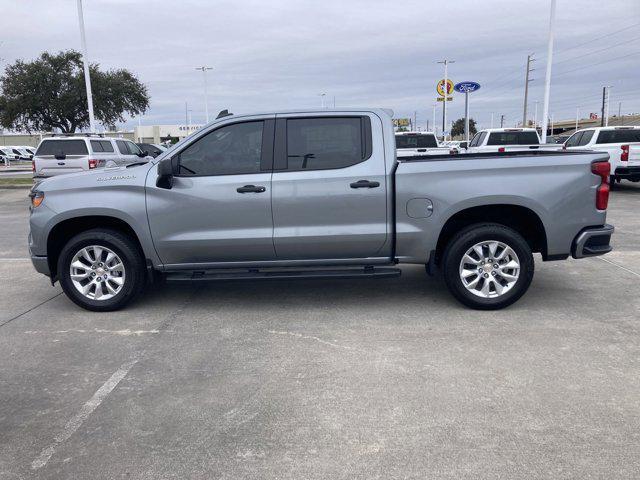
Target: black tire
{"type": "Point", "coordinates": [467, 238]}
{"type": "Point", "coordinates": [612, 182]}
{"type": "Point", "coordinates": [121, 245]}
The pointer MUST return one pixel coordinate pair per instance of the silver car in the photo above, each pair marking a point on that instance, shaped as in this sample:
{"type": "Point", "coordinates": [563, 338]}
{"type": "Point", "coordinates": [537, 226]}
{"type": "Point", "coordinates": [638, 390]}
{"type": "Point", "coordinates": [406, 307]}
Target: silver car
{"type": "Point", "coordinates": [71, 154]}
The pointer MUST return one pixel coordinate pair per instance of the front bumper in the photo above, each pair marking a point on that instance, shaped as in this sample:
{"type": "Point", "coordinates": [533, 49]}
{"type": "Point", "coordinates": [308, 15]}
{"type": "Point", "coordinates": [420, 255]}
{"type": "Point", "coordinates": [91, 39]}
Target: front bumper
{"type": "Point", "coordinates": [592, 241]}
{"type": "Point", "coordinates": [41, 264]}
{"type": "Point", "coordinates": [628, 173]}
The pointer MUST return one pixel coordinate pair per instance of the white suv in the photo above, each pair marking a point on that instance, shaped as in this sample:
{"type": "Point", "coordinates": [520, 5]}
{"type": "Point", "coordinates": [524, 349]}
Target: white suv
{"type": "Point", "coordinates": [616, 141]}
{"type": "Point", "coordinates": [60, 155]}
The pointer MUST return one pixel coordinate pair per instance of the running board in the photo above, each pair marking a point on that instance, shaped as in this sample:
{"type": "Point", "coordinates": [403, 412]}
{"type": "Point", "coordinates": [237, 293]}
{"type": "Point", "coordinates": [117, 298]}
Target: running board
{"type": "Point", "coordinates": [256, 274]}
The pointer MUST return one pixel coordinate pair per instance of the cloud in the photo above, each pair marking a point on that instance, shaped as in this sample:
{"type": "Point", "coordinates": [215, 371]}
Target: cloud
{"type": "Point", "coordinates": [283, 54]}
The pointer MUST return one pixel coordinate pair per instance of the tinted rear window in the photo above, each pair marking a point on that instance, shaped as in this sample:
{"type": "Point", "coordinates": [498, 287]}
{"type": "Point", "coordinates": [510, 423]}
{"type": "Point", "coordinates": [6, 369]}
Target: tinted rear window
{"type": "Point", "coordinates": [101, 146]}
{"type": "Point", "coordinates": [416, 141]}
{"type": "Point", "coordinates": [513, 138]}
{"type": "Point", "coordinates": [619, 136]}
{"type": "Point", "coordinates": [65, 147]}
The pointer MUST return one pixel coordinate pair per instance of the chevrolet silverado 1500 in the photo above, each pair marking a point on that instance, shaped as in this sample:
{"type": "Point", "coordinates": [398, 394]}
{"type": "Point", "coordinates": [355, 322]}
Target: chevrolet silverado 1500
{"type": "Point", "coordinates": [316, 194]}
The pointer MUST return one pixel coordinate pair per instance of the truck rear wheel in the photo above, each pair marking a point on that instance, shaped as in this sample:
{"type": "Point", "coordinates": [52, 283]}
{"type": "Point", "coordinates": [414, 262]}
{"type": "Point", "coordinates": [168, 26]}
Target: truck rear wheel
{"type": "Point", "coordinates": [488, 266]}
{"type": "Point", "coordinates": [101, 270]}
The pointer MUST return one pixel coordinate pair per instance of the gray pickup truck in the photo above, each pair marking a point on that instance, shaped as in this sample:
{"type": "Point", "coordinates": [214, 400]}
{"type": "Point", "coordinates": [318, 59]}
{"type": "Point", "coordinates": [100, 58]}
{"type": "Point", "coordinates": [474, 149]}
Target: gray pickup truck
{"type": "Point", "coordinates": [316, 194]}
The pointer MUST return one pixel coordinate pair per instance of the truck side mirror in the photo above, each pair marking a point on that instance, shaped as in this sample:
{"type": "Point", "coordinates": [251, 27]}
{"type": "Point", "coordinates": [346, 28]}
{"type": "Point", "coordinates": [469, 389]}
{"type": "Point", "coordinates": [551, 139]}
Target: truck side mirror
{"type": "Point", "coordinates": [166, 171]}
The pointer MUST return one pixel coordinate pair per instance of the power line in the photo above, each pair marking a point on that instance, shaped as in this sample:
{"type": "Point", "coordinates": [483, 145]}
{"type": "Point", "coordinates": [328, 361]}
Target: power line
{"type": "Point", "coordinates": [597, 63]}
{"type": "Point", "coordinates": [597, 51]}
{"type": "Point", "coordinates": [597, 38]}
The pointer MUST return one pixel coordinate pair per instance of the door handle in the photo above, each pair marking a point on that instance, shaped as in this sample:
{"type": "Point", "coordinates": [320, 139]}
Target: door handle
{"type": "Point", "coordinates": [251, 189]}
{"type": "Point", "coordinates": [364, 184]}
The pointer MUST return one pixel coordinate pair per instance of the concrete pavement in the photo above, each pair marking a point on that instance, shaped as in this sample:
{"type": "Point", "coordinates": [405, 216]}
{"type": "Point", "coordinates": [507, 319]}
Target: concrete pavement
{"type": "Point", "coordinates": [325, 379]}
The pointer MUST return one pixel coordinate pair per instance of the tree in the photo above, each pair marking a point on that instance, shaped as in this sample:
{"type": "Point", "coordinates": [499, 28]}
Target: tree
{"type": "Point", "coordinates": [49, 93]}
{"type": "Point", "coordinates": [458, 127]}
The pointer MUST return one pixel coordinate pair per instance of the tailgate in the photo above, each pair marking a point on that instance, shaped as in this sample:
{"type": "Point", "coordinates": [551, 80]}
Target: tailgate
{"type": "Point", "coordinates": [634, 156]}
{"type": "Point", "coordinates": [49, 165]}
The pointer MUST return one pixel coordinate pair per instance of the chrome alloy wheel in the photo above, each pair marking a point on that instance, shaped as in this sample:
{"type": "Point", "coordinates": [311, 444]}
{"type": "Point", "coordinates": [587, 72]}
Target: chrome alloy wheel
{"type": "Point", "coordinates": [97, 272]}
{"type": "Point", "coordinates": [489, 269]}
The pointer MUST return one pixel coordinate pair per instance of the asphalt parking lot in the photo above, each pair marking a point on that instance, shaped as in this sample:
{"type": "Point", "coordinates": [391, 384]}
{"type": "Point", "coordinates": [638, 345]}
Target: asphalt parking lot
{"type": "Point", "coordinates": [325, 379]}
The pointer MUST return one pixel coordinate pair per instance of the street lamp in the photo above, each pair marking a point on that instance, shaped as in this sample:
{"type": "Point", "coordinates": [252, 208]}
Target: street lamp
{"type": "Point", "coordinates": [322, 95]}
{"type": "Point", "coordinates": [206, 101]}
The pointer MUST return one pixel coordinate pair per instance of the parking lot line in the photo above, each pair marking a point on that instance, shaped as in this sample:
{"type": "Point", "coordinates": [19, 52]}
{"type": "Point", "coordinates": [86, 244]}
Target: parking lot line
{"type": "Point", "coordinates": [619, 266]}
{"type": "Point", "coordinates": [87, 409]}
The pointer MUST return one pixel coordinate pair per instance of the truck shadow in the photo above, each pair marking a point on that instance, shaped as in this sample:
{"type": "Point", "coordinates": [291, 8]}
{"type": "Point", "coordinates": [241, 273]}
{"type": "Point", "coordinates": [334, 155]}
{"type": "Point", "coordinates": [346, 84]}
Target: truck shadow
{"type": "Point", "coordinates": [625, 188]}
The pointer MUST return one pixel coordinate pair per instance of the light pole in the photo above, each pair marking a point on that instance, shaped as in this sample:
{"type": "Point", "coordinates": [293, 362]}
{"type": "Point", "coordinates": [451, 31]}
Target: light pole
{"type": "Point", "coordinates": [322, 95]}
{"type": "Point", "coordinates": [446, 62]}
{"type": "Point", "coordinates": [206, 100]}
{"type": "Point", "coordinates": [577, 116]}
{"type": "Point", "coordinates": [85, 62]}
{"type": "Point", "coordinates": [434, 118]}
{"type": "Point", "coordinates": [547, 78]}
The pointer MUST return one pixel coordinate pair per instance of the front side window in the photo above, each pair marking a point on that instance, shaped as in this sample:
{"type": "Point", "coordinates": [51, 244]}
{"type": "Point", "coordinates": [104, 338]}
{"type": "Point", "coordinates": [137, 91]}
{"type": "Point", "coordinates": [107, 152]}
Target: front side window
{"type": "Point", "coordinates": [62, 147]}
{"type": "Point", "coordinates": [325, 143]}
{"type": "Point", "coordinates": [574, 140]}
{"type": "Point", "coordinates": [132, 148]}
{"type": "Point", "coordinates": [232, 149]}
{"type": "Point", "coordinates": [122, 146]}
{"type": "Point", "coordinates": [587, 135]}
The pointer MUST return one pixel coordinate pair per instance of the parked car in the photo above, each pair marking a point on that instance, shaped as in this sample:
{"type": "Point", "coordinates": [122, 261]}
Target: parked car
{"type": "Point", "coordinates": [409, 144]}
{"type": "Point", "coordinates": [152, 149]}
{"type": "Point", "coordinates": [71, 154]}
{"type": "Point", "coordinates": [507, 140]}
{"type": "Point", "coordinates": [8, 154]}
{"type": "Point", "coordinates": [616, 141]}
{"type": "Point", "coordinates": [22, 153]}
{"type": "Point", "coordinates": [317, 194]}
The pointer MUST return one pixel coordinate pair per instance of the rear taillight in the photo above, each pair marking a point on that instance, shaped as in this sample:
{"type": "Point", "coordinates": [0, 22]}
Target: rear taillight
{"type": "Point", "coordinates": [602, 169]}
{"type": "Point", "coordinates": [93, 163]}
{"type": "Point", "coordinates": [501, 149]}
{"type": "Point", "coordinates": [33, 166]}
{"type": "Point", "coordinates": [624, 156]}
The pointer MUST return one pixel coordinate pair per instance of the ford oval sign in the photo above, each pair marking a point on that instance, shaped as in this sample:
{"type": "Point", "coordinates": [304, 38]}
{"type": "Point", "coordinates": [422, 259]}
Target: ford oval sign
{"type": "Point", "coordinates": [466, 87]}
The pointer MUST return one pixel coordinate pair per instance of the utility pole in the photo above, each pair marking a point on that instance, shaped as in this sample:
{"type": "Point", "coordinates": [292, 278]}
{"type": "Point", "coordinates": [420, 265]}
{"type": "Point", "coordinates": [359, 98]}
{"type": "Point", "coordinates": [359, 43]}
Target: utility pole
{"type": "Point", "coordinates": [492, 120]}
{"type": "Point", "coordinates": [186, 113]}
{"type": "Point", "coordinates": [619, 113]}
{"type": "Point", "coordinates": [604, 91]}
{"type": "Point", "coordinates": [415, 120]}
{"type": "Point", "coordinates": [501, 121]}
{"type": "Point", "coordinates": [535, 116]}
{"type": "Point", "coordinates": [85, 62]}
{"type": "Point", "coordinates": [445, 62]}
{"type": "Point", "coordinates": [206, 100]}
{"type": "Point", "coordinates": [547, 78]}
{"type": "Point", "coordinates": [577, 116]}
{"type": "Point", "coordinates": [526, 89]}
{"type": "Point", "coordinates": [606, 118]}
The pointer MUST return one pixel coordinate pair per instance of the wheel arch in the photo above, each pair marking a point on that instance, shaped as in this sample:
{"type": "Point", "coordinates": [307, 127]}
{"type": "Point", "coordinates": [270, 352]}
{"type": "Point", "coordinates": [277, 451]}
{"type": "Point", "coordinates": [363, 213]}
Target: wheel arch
{"type": "Point", "coordinates": [66, 229]}
{"type": "Point", "coordinates": [520, 218]}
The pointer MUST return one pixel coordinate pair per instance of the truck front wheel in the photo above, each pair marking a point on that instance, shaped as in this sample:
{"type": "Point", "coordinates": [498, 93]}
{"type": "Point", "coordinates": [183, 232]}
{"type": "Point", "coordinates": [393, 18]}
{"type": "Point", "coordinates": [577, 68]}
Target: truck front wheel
{"type": "Point", "coordinates": [488, 266]}
{"type": "Point", "coordinates": [101, 270]}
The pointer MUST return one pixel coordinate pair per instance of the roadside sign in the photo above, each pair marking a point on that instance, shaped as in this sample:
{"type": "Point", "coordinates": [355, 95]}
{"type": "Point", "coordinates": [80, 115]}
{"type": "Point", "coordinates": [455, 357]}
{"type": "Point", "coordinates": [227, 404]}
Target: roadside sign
{"type": "Point", "coordinates": [401, 122]}
{"type": "Point", "coordinates": [440, 87]}
{"type": "Point", "coordinates": [466, 87]}
{"type": "Point", "coordinates": [441, 99]}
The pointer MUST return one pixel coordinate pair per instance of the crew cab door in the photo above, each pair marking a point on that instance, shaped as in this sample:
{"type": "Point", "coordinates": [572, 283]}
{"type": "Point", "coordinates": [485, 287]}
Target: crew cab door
{"type": "Point", "coordinates": [329, 187]}
{"type": "Point", "coordinates": [218, 208]}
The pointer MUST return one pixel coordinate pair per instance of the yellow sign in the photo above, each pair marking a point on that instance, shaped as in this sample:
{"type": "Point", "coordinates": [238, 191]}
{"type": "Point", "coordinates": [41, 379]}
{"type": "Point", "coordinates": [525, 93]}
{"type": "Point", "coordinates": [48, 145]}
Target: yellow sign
{"type": "Point", "coordinates": [401, 122]}
{"type": "Point", "coordinates": [440, 87]}
{"type": "Point", "coordinates": [441, 99]}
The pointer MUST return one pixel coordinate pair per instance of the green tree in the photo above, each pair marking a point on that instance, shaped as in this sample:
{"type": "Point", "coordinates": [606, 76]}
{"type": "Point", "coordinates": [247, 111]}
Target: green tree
{"type": "Point", "coordinates": [49, 92]}
{"type": "Point", "coordinates": [458, 127]}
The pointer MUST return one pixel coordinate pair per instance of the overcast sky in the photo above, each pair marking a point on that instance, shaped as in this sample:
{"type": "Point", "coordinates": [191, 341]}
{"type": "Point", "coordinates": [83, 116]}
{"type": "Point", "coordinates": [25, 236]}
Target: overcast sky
{"type": "Point", "coordinates": [276, 54]}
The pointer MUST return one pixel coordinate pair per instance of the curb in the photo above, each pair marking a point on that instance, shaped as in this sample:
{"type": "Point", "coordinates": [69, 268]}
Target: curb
{"type": "Point", "coordinates": [14, 187]}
